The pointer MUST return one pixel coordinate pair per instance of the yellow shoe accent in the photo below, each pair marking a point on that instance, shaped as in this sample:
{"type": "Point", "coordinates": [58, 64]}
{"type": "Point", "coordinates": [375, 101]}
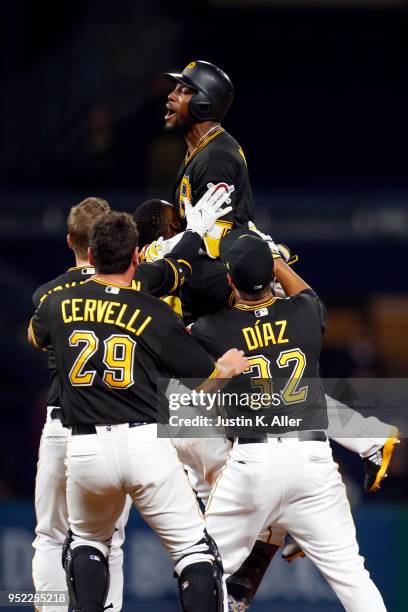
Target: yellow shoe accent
{"type": "Point", "coordinates": [387, 452]}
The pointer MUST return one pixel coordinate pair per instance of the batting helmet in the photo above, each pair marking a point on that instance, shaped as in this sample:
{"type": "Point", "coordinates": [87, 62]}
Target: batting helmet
{"type": "Point", "coordinates": [214, 88]}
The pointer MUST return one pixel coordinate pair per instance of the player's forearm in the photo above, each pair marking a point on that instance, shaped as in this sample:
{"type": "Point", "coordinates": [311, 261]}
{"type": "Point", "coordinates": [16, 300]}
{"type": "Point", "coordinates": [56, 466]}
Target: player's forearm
{"type": "Point", "coordinates": [187, 248]}
{"type": "Point", "coordinates": [232, 363]}
{"type": "Point", "coordinates": [291, 282]}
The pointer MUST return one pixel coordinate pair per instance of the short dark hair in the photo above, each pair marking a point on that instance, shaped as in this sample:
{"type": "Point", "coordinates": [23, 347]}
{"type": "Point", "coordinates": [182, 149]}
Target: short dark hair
{"type": "Point", "coordinates": [80, 221]}
{"type": "Point", "coordinates": [150, 221]}
{"type": "Point", "coordinates": [254, 296]}
{"type": "Point", "coordinates": [113, 240]}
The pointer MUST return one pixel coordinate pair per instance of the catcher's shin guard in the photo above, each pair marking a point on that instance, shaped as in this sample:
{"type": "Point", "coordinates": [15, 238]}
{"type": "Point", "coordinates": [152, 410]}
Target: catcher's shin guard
{"type": "Point", "coordinates": [200, 588]}
{"type": "Point", "coordinates": [87, 571]}
{"type": "Point", "coordinates": [200, 577]}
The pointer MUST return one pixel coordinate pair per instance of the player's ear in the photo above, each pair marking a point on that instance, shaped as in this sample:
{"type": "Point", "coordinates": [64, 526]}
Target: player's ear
{"type": "Point", "coordinates": [69, 241]}
{"type": "Point", "coordinates": [135, 256]}
{"type": "Point", "coordinates": [90, 256]}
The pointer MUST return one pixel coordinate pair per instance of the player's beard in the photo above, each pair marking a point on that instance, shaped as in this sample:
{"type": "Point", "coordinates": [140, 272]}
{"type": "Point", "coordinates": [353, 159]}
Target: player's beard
{"type": "Point", "coordinates": [178, 127]}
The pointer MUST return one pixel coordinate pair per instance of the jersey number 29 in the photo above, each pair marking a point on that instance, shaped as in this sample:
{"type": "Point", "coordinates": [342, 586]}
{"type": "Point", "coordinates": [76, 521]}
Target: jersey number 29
{"type": "Point", "coordinates": [118, 358]}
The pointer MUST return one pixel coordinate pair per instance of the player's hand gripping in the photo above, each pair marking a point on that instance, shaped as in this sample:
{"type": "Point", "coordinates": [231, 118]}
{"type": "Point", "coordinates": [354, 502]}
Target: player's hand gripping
{"type": "Point", "coordinates": [232, 363]}
{"type": "Point", "coordinates": [202, 217]}
{"type": "Point", "coordinates": [267, 238]}
{"type": "Point", "coordinates": [278, 250]}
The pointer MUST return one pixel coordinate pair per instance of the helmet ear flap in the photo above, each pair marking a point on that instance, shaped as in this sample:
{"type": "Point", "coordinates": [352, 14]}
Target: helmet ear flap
{"type": "Point", "coordinates": [200, 108]}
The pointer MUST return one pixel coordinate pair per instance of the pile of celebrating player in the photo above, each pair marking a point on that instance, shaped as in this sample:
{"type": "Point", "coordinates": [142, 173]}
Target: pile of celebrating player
{"type": "Point", "coordinates": [110, 339]}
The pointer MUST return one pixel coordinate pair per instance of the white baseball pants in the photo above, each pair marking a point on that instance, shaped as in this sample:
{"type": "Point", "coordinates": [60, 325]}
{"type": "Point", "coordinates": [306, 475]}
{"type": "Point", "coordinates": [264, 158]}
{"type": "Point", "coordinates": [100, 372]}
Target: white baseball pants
{"type": "Point", "coordinates": [294, 486]}
{"type": "Point", "coordinates": [52, 520]}
{"type": "Point", "coordinates": [103, 468]}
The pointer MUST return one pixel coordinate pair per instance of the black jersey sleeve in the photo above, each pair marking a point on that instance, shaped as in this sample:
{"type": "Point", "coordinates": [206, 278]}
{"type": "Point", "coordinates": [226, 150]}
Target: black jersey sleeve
{"type": "Point", "coordinates": [39, 326]}
{"type": "Point", "coordinates": [207, 291]}
{"type": "Point", "coordinates": [184, 358]}
{"type": "Point", "coordinates": [223, 166]}
{"type": "Point", "coordinates": [309, 302]}
{"type": "Point", "coordinates": [203, 332]}
{"type": "Point", "coordinates": [40, 293]}
{"type": "Point", "coordinates": [169, 274]}
{"type": "Point", "coordinates": [220, 167]}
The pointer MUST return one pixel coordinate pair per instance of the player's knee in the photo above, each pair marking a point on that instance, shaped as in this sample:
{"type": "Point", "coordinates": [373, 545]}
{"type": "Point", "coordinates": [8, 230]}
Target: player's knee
{"type": "Point", "coordinates": [87, 572]}
{"type": "Point", "coordinates": [199, 591]}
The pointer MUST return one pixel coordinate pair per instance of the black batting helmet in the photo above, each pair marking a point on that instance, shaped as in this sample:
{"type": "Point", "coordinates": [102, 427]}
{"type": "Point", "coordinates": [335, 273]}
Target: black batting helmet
{"type": "Point", "coordinates": [214, 88]}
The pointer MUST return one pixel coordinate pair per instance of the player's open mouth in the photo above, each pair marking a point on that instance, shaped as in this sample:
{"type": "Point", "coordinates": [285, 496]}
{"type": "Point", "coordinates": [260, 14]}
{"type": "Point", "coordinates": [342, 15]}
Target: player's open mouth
{"type": "Point", "coordinates": [170, 113]}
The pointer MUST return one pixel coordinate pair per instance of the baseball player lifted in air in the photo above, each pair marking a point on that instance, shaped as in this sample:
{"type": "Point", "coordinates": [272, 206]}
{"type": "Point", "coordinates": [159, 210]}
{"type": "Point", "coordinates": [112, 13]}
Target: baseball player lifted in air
{"type": "Point", "coordinates": [111, 344]}
{"type": "Point", "coordinates": [197, 105]}
{"type": "Point", "coordinates": [202, 96]}
{"type": "Point", "coordinates": [50, 487]}
{"type": "Point", "coordinates": [204, 458]}
{"type": "Point", "coordinates": [290, 482]}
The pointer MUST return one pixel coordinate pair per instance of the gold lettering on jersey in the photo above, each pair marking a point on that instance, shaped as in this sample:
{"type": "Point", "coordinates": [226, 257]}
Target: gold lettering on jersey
{"type": "Point", "coordinates": [109, 312]}
{"type": "Point", "coordinates": [262, 335]}
{"type": "Point", "coordinates": [89, 310]}
{"type": "Point", "coordinates": [119, 321]}
{"type": "Point", "coordinates": [75, 305]}
{"type": "Point", "coordinates": [269, 336]}
{"type": "Point", "coordinates": [132, 320]}
{"type": "Point", "coordinates": [100, 310]}
{"type": "Point", "coordinates": [281, 339]}
{"type": "Point", "coordinates": [65, 317]}
{"type": "Point", "coordinates": [136, 285]}
{"type": "Point", "coordinates": [143, 325]}
{"type": "Point", "coordinates": [57, 288]}
{"type": "Point", "coordinates": [104, 311]}
{"type": "Point", "coordinates": [258, 334]}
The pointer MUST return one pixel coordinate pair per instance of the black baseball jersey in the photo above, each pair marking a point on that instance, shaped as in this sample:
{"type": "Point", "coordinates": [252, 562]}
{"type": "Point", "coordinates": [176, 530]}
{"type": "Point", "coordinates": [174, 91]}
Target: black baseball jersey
{"type": "Point", "coordinates": [282, 339]}
{"type": "Point", "coordinates": [219, 158]}
{"type": "Point", "coordinates": [207, 290]}
{"type": "Point", "coordinates": [159, 278]}
{"type": "Point", "coordinates": [111, 344]}
{"type": "Point", "coordinates": [70, 278]}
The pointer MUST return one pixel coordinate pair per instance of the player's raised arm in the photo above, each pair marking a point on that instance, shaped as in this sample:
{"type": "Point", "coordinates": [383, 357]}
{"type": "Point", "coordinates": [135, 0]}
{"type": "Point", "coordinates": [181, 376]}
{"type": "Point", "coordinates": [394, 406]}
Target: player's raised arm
{"type": "Point", "coordinates": [291, 282]}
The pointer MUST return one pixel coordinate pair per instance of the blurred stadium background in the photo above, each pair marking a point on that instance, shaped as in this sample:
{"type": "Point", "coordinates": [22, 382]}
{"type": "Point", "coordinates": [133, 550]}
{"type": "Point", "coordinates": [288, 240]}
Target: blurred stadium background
{"type": "Point", "coordinates": [320, 110]}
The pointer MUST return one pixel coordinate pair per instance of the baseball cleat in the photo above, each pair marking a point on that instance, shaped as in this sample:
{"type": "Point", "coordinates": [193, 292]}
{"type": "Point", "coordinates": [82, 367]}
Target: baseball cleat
{"type": "Point", "coordinates": [376, 465]}
{"type": "Point", "coordinates": [291, 550]}
{"type": "Point", "coordinates": [237, 606]}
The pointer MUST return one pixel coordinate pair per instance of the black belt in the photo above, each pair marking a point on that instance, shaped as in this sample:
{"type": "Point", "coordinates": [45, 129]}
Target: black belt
{"type": "Point", "coordinates": [302, 436]}
{"type": "Point", "coordinates": [56, 413]}
{"type": "Point", "coordinates": [84, 430]}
